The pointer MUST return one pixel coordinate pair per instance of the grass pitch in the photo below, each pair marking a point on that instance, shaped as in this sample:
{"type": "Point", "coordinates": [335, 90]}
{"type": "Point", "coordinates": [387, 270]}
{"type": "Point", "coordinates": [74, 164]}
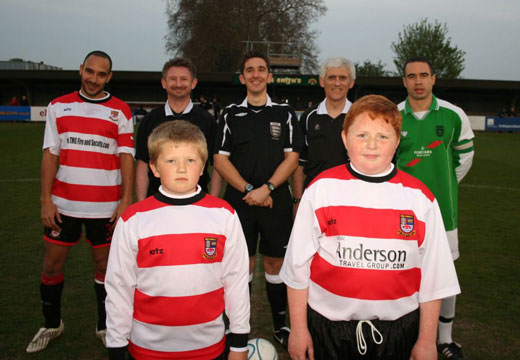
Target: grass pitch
{"type": "Point", "coordinates": [487, 311]}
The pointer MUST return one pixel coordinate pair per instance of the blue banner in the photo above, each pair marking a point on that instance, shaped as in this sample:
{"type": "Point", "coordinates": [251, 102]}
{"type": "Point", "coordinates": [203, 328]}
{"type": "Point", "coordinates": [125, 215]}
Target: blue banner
{"type": "Point", "coordinates": [503, 124]}
{"type": "Point", "coordinates": [15, 113]}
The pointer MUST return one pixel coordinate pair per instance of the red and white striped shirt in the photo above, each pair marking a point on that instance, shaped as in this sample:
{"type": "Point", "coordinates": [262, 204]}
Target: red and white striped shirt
{"type": "Point", "coordinates": [175, 265]}
{"type": "Point", "coordinates": [368, 247]}
{"type": "Point", "coordinates": [88, 135]}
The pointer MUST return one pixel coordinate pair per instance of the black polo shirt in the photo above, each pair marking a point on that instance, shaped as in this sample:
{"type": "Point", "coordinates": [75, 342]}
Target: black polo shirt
{"type": "Point", "coordinates": [324, 147]}
{"type": "Point", "coordinates": [256, 138]}
{"type": "Point", "coordinates": [194, 114]}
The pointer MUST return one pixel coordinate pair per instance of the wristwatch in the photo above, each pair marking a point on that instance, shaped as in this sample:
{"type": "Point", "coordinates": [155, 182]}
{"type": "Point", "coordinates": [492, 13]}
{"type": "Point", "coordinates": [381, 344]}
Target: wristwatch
{"type": "Point", "coordinates": [248, 188]}
{"type": "Point", "coordinates": [270, 186]}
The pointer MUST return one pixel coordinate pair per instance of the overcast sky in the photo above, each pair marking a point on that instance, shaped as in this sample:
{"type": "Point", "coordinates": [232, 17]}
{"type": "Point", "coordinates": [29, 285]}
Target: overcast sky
{"type": "Point", "coordinates": [61, 32]}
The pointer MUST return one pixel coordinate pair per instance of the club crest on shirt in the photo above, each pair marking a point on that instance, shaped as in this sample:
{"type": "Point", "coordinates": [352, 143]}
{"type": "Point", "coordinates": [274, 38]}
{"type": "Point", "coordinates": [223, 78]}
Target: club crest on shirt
{"type": "Point", "coordinates": [317, 127]}
{"type": "Point", "coordinates": [114, 115]}
{"type": "Point", "coordinates": [407, 225]}
{"type": "Point", "coordinates": [275, 129]}
{"type": "Point", "coordinates": [439, 130]}
{"type": "Point", "coordinates": [210, 244]}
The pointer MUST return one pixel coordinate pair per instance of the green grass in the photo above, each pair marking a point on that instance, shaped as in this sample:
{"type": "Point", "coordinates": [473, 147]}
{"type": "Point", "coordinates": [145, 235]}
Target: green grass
{"type": "Point", "coordinates": [489, 235]}
{"type": "Point", "coordinates": [487, 311]}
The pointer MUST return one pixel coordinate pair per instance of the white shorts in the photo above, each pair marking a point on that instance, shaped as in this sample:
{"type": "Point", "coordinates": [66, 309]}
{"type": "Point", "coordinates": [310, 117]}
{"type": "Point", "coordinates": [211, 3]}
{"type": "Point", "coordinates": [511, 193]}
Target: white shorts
{"type": "Point", "coordinates": [453, 240]}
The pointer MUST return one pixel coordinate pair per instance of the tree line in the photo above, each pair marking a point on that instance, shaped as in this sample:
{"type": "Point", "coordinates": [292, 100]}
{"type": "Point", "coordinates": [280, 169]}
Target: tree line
{"type": "Point", "coordinates": [215, 34]}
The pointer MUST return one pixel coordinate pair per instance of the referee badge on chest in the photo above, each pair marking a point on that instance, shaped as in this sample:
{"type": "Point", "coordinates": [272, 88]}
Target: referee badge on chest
{"type": "Point", "coordinates": [210, 251]}
{"type": "Point", "coordinates": [276, 129]}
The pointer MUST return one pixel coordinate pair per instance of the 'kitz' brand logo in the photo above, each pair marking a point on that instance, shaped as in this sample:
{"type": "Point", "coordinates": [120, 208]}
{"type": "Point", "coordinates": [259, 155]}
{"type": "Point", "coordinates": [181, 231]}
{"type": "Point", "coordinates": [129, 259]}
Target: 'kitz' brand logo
{"type": "Point", "coordinates": [157, 251]}
{"type": "Point", "coordinates": [332, 221]}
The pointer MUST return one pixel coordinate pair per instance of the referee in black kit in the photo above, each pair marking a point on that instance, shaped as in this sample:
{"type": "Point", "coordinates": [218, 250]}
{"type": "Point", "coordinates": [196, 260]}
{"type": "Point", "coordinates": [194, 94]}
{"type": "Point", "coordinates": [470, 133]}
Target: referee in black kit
{"type": "Point", "coordinates": [257, 150]}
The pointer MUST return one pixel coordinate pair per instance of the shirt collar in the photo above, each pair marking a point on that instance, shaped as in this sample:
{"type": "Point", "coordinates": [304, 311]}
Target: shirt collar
{"type": "Point", "coordinates": [322, 107]}
{"type": "Point", "coordinates": [378, 178]}
{"type": "Point", "coordinates": [268, 103]}
{"type": "Point", "coordinates": [100, 100]}
{"type": "Point", "coordinates": [197, 191]}
{"type": "Point", "coordinates": [433, 107]}
{"type": "Point", "coordinates": [180, 200]}
{"type": "Point", "coordinates": [169, 112]}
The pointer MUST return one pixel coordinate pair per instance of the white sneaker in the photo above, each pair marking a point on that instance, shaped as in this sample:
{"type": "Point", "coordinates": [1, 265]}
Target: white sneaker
{"type": "Point", "coordinates": [102, 335]}
{"type": "Point", "coordinates": [43, 337]}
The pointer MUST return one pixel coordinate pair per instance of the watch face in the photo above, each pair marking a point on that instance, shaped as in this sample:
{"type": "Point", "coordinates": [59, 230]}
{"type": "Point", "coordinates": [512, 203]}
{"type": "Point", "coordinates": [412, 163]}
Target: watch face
{"type": "Point", "coordinates": [249, 187]}
{"type": "Point", "coordinates": [270, 186]}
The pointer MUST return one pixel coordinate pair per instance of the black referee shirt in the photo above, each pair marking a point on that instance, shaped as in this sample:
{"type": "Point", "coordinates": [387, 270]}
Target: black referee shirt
{"type": "Point", "coordinates": [194, 114]}
{"type": "Point", "coordinates": [324, 147]}
{"type": "Point", "coordinates": [256, 138]}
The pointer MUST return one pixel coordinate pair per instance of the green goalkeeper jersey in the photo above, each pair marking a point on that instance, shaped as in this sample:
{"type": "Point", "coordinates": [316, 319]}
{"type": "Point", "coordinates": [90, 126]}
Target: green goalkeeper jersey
{"type": "Point", "coordinates": [438, 150]}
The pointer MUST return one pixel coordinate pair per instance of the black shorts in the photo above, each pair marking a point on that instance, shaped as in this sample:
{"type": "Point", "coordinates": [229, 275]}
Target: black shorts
{"type": "Point", "coordinates": [337, 339]}
{"type": "Point", "coordinates": [99, 231]}
{"type": "Point", "coordinates": [273, 225]}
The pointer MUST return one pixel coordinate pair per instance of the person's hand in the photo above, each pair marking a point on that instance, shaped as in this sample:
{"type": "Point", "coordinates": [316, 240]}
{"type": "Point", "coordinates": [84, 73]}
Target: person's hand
{"type": "Point", "coordinates": [120, 209]}
{"type": "Point", "coordinates": [49, 215]}
{"type": "Point", "coordinates": [235, 355]}
{"type": "Point", "coordinates": [268, 202]}
{"type": "Point", "coordinates": [300, 345]}
{"type": "Point", "coordinates": [424, 351]}
{"type": "Point", "coordinates": [257, 196]}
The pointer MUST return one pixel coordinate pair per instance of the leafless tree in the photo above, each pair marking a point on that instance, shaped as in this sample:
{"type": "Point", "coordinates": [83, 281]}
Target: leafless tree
{"type": "Point", "coordinates": [212, 32]}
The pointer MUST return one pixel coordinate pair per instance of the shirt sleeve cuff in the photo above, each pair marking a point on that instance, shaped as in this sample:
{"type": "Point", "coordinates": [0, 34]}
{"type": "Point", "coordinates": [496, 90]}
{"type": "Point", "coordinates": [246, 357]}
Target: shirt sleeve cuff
{"type": "Point", "coordinates": [238, 341]}
{"type": "Point", "coordinates": [242, 349]}
{"type": "Point", "coordinates": [118, 353]}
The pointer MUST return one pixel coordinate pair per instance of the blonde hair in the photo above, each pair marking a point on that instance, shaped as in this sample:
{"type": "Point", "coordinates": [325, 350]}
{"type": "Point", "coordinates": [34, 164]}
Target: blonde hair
{"type": "Point", "coordinates": [176, 131]}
